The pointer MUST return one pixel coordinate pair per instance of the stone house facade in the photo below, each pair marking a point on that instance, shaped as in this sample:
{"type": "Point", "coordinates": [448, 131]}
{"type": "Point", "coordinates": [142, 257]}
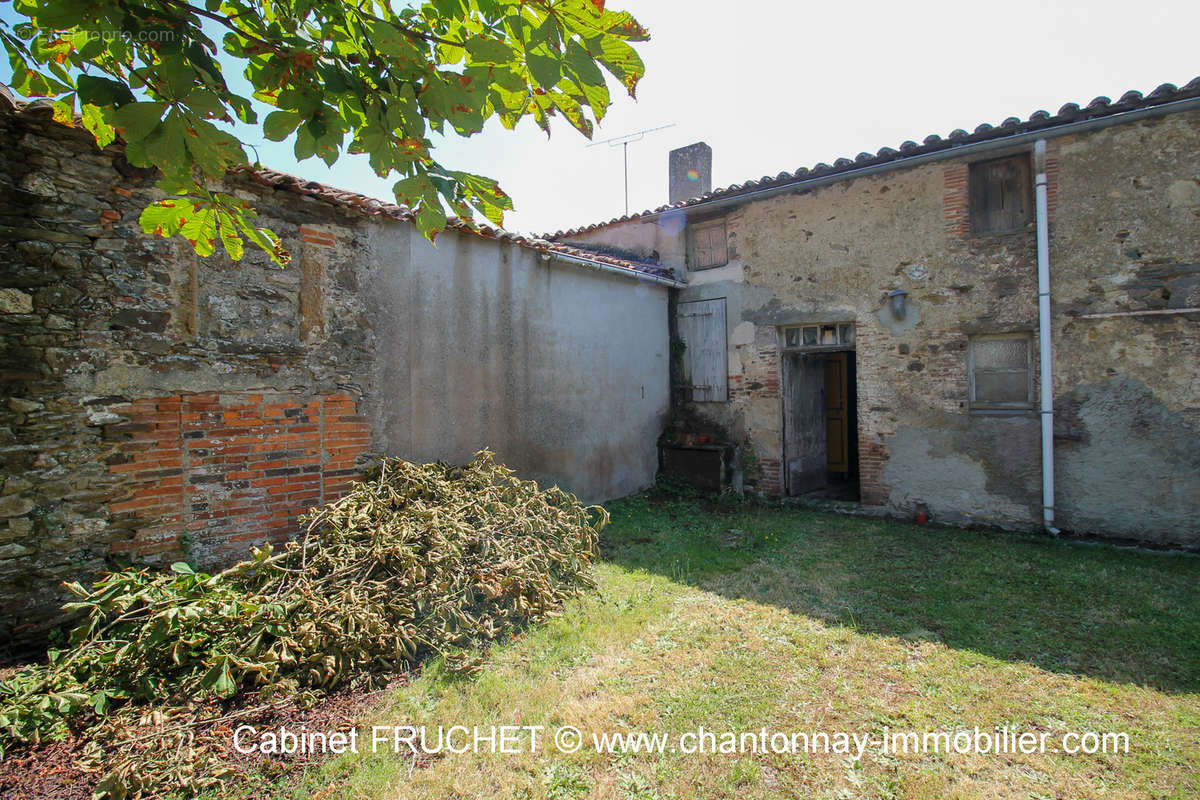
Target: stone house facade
{"type": "Point", "coordinates": [158, 406]}
{"type": "Point", "coordinates": [867, 330]}
{"type": "Point", "coordinates": [877, 321]}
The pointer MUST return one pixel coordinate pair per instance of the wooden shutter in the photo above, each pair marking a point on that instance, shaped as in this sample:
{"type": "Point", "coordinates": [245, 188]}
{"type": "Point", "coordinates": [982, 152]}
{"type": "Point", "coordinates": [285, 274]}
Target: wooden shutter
{"type": "Point", "coordinates": [709, 245]}
{"type": "Point", "coordinates": [701, 326]}
{"type": "Point", "coordinates": [1001, 195]}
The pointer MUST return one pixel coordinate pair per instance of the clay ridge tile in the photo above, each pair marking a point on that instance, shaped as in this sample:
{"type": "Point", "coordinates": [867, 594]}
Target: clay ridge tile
{"type": "Point", "coordinates": [274, 179]}
{"type": "Point", "coordinates": [1012, 126]}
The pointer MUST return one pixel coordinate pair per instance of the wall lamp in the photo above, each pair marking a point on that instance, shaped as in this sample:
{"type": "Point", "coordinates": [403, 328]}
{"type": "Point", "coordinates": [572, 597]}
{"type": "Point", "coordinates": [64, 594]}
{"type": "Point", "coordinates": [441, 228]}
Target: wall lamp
{"type": "Point", "coordinates": [896, 297]}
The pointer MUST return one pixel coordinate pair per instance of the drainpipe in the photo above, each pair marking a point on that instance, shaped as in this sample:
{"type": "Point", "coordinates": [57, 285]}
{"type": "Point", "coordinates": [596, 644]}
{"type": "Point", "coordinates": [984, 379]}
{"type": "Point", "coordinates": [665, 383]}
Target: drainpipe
{"type": "Point", "coordinates": [1045, 356]}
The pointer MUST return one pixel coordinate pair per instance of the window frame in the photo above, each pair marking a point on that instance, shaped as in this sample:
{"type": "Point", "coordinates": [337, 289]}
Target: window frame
{"type": "Point", "coordinates": [1011, 406]}
{"type": "Point", "coordinates": [977, 211]}
{"type": "Point", "coordinates": [707, 227]}
{"type": "Point", "coordinates": [844, 336]}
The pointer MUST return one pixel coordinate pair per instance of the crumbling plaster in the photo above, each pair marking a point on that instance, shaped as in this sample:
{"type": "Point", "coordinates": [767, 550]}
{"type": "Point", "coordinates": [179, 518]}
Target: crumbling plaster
{"type": "Point", "coordinates": [1125, 236]}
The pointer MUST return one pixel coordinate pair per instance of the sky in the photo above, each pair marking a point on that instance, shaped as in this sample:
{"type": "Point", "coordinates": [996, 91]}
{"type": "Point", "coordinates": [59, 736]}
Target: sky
{"type": "Point", "coordinates": [774, 86]}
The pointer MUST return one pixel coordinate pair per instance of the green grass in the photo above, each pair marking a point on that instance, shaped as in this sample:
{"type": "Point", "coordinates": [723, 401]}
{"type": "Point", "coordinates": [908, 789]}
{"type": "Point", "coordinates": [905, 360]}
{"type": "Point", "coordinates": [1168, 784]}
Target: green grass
{"type": "Point", "coordinates": [739, 616]}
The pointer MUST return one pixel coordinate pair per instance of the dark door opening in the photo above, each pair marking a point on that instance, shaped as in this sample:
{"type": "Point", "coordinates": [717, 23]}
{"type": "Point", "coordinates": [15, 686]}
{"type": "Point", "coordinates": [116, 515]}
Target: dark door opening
{"type": "Point", "coordinates": [821, 424]}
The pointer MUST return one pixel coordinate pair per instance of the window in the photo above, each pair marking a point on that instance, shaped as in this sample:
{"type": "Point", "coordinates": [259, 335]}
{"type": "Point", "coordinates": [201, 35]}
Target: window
{"type": "Point", "coordinates": [1000, 195]}
{"type": "Point", "coordinates": [1000, 373]}
{"type": "Point", "coordinates": [839, 334]}
{"type": "Point", "coordinates": [701, 326]}
{"type": "Point", "coordinates": [709, 246]}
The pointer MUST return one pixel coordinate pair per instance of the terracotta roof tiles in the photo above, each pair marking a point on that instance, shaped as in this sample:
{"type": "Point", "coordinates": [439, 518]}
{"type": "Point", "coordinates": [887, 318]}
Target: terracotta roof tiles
{"type": "Point", "coordinates": [374, 207]}
{"type": "Point", "coordinates": [1012, 126]}
{"type": "Point", "coordinates": [371, 206]}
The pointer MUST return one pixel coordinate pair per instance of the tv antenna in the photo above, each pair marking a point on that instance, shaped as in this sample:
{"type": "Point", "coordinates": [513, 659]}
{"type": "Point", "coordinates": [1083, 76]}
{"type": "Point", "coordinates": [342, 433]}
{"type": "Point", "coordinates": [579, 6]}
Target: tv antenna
{"type": "Point", "coordinates": [624, 142]}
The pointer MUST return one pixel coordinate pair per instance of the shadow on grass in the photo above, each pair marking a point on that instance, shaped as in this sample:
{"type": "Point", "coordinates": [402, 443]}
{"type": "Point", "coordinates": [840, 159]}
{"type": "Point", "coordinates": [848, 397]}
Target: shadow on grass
{"type": "Point", "coordinates": [1116, 614]}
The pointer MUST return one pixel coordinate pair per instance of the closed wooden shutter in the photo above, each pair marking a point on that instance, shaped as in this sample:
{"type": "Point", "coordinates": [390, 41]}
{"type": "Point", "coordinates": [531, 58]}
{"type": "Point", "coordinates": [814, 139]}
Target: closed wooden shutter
{"type": "Point", "coordinates": [709, 245]}
{"type": "Point", "coordinates": [701, 326]}
{"type": "Point", "coordinates": [1001, 195]}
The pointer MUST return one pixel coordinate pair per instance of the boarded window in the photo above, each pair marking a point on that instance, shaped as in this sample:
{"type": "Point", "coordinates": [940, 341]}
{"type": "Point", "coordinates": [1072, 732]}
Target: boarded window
{"type": "Point", "coordinates": [709, 245]}
{"type": "Point", "coordinates": [701, 326]}
{"type": "Point", "coordinates": [1001, 195]}
{"type": "Point", "coordinates": [1000, 373]}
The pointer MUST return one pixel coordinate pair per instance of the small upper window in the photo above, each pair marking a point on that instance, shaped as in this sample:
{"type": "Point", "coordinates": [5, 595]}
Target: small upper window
{"type": "Point", "coordinates": [835, 335]}
{"type": "Point", "coordinates": [1000, 372]}
{"type": "Point", "coordinates": [1001, 196]}
{"type": "Point", "coordinates": [709, 245]}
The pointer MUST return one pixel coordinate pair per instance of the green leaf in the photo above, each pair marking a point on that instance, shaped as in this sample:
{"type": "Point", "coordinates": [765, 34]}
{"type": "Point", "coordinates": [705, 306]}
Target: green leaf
{"type": "Point", "coordinates": [214, 150]}
{"type": "Point", "coordinates": [486, 195]}
{"type": "Point", "coordinates": [263, 238]}
{"type": "Point", "coordinates": [582, 65]}
{"type": "Point", "coordinates": [545, 69]}
{"type": "Point", "coordinates": [64, 111]}
{"type": "Point", "coordinates": [279, 125]}
{"type": "Point", "coordinates": [229, 235]}
{"type": "Point", "coordinates": [572, 110]}
{"type": "Point", "coordinates": [620, 59]}
{"type": "Point", "coordinates": [182, 568]}
{"type": "Point", "coordinates": [102, 91]}
{"type": "Point", "coordinates": [219, 678]}
{"type": "Point", "coordinates": [167, 146]}
{"type": "Point", "coordinates": [489, 51]}
{"type": "Point", "coordinates": [201, 229]}
{"type": "Point", "coordinates": [136, 121]}
{"type": "Point", "coordinates": [166, 217]}
{"type": "Point", "coordinates": [243, 108]}
{"type": "Point", "coordinates": [206, 103]}
{"type": "Point", "coordinates": [431, 220]}
{"type": "Point", "coordinates": [28, 81]}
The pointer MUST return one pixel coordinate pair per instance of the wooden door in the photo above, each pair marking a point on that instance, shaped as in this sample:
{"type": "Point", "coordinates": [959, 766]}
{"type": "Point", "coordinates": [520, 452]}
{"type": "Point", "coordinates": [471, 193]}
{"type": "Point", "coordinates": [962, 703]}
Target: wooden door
{"type": "Point", "coordinates": [837, 428]}
{"type": "Point", "coordinates": [701, 326]}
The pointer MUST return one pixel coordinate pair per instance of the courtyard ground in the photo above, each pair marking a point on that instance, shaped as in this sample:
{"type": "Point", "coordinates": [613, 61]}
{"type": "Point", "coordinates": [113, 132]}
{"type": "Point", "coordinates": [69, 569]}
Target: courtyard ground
{"type": "Point", "coordinates": [738, 617]}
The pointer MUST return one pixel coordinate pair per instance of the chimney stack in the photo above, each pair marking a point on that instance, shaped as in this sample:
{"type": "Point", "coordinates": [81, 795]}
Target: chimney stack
{"type": "Point", "coordinates": [690, 172]}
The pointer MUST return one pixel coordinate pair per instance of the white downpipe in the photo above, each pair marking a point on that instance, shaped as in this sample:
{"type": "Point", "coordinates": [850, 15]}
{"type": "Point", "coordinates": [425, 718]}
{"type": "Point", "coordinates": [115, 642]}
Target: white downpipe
{"type": "Point", "coordinates": [1045, 352]}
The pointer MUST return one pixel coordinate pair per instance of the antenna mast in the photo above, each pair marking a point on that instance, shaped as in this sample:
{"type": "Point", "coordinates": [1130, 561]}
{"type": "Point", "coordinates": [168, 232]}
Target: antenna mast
{"type": "Point", "coordinates": [624, 141]}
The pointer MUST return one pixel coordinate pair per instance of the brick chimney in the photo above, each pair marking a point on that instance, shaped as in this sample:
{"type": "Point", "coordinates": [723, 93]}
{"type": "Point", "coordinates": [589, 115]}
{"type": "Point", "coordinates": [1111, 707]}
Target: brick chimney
{"type": "Point", "coordinates": [690, 172]}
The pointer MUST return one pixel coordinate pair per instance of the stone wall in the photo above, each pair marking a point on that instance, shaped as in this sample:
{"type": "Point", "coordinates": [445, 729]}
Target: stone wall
{"type": "Point", "coordinates": [158, 406]}
{"type": "Point", "coordinates": [1124, 206]}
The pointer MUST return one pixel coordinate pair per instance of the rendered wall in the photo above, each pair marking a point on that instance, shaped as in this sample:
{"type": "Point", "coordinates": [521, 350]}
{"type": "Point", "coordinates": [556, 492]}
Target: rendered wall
{"type": "Point", "coordinates": [561, 370]}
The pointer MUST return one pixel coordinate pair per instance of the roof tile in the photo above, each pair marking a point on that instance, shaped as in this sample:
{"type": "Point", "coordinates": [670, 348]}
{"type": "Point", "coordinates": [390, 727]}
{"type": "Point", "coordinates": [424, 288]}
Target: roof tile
{"type": "Point", "coordinates": [1011, 126]}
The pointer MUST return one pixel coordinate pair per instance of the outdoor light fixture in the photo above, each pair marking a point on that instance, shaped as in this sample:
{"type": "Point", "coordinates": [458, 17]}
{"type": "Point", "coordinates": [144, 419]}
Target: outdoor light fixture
{"type": "Point", "coordinates": [896, 296]}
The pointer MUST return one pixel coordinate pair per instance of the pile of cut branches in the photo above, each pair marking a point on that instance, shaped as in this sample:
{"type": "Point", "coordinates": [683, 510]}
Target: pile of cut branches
{"type": "Point", "coordinates": [416, 560]}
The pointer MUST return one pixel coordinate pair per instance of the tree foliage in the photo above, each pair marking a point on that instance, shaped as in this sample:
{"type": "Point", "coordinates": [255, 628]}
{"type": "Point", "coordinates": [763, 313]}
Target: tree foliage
{"type": "Point", "coordinates": [357, 76]}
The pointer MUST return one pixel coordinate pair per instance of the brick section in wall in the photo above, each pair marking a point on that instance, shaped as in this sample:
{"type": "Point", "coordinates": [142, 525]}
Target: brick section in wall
{"type": "Point", "coordinates": [955, 200]}
{"type": "Point", "coordinates": [150, 457]}
{"type": "Point", "coordinates": [214, 475]}
{"type": "Point", "coordinates": [872, 455]}
{"type": "Point", "coordinates": [1053, 147]}
{"type": "Point", "coordinates": [770, 478]}
{"type": "Point", "coordinates": [872, 452]}
{"type": "Point", "coordinates": [764, 383]}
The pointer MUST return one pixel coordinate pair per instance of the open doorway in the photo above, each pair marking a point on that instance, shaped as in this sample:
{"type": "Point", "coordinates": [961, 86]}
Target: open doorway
{"type": "Point", "coordinates": [820, 421]}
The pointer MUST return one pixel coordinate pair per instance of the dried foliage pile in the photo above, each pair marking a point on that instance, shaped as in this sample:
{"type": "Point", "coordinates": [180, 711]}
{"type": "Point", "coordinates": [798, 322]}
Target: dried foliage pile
{"type": "Point", "coordinates": [416, 560]}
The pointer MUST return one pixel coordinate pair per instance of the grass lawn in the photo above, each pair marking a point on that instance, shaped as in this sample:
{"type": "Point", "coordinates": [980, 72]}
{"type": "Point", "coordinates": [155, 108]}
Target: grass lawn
{"type": "Point", "coordinates": [736, 617]}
